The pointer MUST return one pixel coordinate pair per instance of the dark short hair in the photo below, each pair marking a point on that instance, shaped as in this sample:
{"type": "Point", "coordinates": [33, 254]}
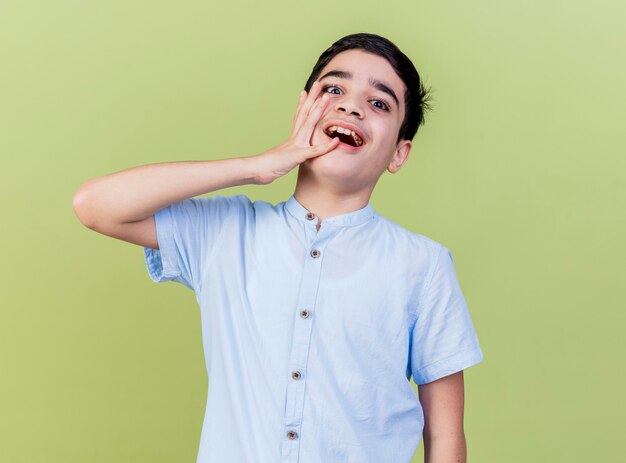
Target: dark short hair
{"type": "Point", "coordinates": [416, 97]}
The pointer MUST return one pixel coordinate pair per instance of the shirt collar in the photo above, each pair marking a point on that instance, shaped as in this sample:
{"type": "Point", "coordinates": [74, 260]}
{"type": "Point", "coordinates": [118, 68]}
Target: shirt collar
{"type": "Point", "coordinates": [348, 219]}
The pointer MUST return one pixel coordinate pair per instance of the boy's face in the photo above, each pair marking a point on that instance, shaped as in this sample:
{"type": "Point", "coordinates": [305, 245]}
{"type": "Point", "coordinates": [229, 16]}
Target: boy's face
{"type": "Point", "coordinates": [361, 87]}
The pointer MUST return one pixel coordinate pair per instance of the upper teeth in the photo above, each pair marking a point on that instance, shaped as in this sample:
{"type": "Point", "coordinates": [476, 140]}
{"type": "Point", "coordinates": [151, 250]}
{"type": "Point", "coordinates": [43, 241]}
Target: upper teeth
{"type": "Point", "coordinates": [335, 128]}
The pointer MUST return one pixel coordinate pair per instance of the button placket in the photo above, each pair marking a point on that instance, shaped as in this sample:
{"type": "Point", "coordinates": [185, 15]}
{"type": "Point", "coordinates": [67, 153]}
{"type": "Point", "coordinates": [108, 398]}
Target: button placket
{"type": "Point", "coordinates": [303, 326]}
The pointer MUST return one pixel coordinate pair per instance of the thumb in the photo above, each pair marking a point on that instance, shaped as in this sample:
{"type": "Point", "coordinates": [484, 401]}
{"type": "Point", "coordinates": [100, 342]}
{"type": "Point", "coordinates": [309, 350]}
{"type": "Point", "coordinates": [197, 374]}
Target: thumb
{"type": "Point", "coordinates": [324, 148]}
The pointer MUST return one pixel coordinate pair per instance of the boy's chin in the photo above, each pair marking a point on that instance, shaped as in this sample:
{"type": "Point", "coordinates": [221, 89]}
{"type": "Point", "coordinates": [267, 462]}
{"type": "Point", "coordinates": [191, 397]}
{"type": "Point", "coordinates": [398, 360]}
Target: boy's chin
{"type": "Point", "coordinates": [336, 163]}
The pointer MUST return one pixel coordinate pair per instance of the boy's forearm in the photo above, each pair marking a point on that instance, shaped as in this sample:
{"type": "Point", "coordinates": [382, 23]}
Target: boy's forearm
{"type": "Point", "coordinates": [445, 449]}
{"type": "Point", "coordinates": [134, 194]}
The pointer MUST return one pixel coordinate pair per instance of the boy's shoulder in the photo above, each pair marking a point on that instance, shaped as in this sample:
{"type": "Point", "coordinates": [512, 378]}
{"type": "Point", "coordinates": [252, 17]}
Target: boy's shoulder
{"type": "Point", "coordinates": [401, 233]}
{"type": "Point", "coordinates": [242, 200]}
{"type": "Point", "coordinates": [215, 197]}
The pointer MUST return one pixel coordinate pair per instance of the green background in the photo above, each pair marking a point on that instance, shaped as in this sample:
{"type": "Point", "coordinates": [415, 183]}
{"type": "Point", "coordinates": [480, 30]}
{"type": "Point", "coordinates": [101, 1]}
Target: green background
{"type": "Point", "coordinates": [519, 170]}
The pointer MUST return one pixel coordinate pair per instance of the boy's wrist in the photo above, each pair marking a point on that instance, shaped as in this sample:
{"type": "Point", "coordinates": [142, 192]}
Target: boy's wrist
{"type": "Point", "coordinates": [250, 170]}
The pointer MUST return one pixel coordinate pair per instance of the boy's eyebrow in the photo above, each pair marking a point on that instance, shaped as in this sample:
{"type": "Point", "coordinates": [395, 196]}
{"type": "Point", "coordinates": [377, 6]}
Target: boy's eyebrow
{"type": "Point", "coordinates": [373, 82]}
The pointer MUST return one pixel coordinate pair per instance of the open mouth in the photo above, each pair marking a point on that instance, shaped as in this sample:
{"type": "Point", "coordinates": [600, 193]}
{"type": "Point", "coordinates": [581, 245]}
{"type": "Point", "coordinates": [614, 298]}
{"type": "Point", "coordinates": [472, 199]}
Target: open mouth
{"type": "Point", "coordinates": [345, 135]}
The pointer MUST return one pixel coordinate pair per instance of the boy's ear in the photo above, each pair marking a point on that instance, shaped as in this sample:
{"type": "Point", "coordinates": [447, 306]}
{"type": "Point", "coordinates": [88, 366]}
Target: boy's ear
{"type": "Point", "coordinates": [400, 156]}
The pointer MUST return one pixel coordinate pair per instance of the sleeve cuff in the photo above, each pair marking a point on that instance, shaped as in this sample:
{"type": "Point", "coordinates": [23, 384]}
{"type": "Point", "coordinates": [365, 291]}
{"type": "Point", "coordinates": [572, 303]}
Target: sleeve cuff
{"type": "Point", "coordinates": [447, 366]}
{"type": "Point", "coordinates": [160, 263]}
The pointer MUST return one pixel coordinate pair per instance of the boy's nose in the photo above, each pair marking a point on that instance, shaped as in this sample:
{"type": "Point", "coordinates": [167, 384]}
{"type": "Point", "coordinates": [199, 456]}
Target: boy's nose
{"type": "Point", "coordinates": [349, 108]}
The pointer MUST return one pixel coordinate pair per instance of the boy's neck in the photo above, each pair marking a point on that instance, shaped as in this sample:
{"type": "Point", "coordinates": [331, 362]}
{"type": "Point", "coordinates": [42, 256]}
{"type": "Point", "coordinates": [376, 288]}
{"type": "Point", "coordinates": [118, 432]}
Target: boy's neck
{"type": "Point", "coordinates": [326, 202]}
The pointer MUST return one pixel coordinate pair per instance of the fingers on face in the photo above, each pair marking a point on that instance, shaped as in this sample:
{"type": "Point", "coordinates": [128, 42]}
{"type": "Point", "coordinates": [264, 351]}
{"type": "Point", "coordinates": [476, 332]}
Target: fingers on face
{"type": "Point", "coordinates": [306, 104]}
{"type": "Point", "coordinates": [313, 118]}
{"type": "Point", "coordinates": [316, 110]}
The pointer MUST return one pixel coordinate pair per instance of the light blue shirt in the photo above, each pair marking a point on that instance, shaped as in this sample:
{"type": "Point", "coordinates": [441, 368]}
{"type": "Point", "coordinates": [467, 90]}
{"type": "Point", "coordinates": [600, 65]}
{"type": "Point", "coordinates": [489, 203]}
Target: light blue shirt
{"type": "Point", "coordinates": [311, 338]}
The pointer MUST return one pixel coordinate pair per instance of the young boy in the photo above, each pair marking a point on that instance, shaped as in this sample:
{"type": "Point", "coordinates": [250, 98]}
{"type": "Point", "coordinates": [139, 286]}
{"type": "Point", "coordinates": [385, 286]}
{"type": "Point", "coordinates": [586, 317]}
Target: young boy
{"type": "Point", "coordinates": [315, 311]}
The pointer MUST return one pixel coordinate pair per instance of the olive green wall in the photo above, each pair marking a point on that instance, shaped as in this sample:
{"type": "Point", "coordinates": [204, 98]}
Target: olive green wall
{"type": "Point", "coordinates": [519, 170]}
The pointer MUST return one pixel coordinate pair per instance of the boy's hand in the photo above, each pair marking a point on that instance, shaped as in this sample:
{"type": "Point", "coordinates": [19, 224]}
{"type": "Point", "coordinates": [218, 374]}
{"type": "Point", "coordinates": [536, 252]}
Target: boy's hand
{"type": "Point", "coordinates": [280, 160]}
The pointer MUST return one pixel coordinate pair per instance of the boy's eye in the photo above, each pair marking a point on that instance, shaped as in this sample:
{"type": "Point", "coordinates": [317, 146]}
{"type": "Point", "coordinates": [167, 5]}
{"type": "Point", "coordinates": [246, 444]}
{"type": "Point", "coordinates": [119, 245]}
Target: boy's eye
{"type": "Point", "coordinates": [332, 87]}
{"type": "Point", "coordinates": [382, 106]}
